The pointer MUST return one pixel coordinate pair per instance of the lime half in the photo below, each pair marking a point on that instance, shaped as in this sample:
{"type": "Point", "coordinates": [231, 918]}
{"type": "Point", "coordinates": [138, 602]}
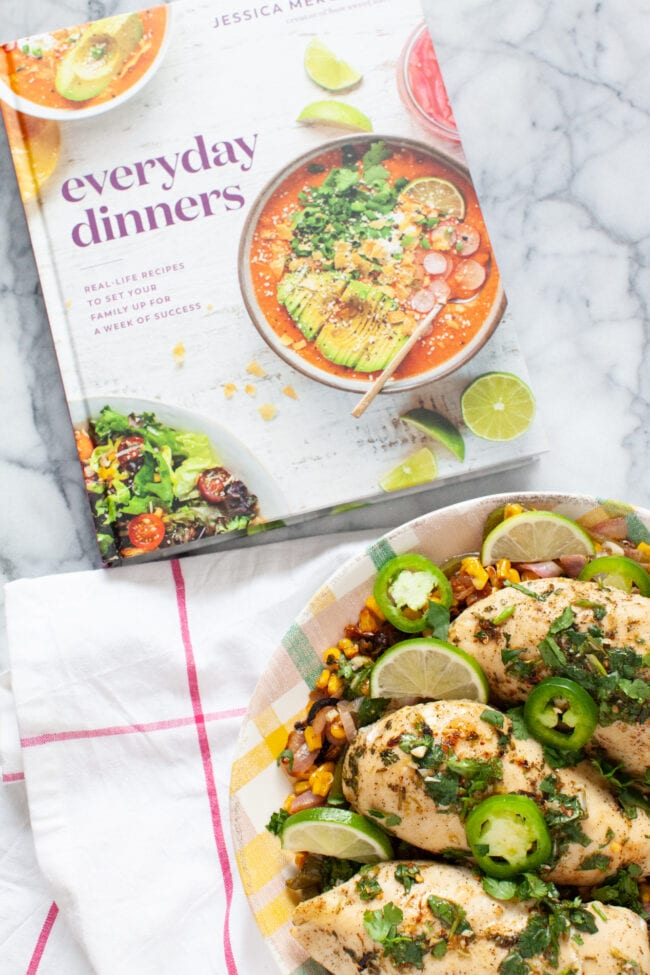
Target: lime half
{"type": "Point", "coordinates": [431, 669]}
{"type": "Point", "coordinates": [498, 406]}
{"type": "Point", "coordinates": [335, 832]}
{"type": "Point", "coordinates": [325, 69]}
{"type": "Point", "coordinates": [438, 194]}
{"type": "Point", "coordinates": [535, 536]}
{"type": "Point", "coordinates": [419, 468]}
{"type": "Point", "coordinates": [437, 426]}
{"type": "Point", "coordinates": [330, 112]}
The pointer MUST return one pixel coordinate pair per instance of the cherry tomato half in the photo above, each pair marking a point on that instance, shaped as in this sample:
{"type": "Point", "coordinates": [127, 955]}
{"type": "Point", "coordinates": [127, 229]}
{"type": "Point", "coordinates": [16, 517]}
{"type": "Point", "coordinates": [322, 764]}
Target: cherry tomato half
{"type": "Point", "coordinates": [146, 531]}
{"type": "Point", "coordinates": [212, 484]}
{"type": "Point", "coordinates": [85, 445]}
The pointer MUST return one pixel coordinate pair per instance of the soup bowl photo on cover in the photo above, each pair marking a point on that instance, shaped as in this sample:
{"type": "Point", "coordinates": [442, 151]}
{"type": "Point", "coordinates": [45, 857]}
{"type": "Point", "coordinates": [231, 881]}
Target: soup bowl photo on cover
{"type": "Point", "coordinates": [352, 246]}
{"type": "Point", "coordinates": [81, 71]}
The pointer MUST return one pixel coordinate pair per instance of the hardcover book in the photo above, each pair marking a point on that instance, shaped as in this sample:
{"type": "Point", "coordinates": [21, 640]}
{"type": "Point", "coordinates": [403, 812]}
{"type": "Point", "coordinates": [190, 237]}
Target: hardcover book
{"type": "Point", "coordinates": [267, 274]}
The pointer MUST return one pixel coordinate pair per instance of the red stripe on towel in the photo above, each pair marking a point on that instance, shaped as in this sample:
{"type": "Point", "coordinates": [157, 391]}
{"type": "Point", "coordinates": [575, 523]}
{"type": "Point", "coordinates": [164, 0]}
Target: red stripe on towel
{"type": "Point", "coordinates": [208, 770]}
{"type": "Point", "coordinates": [128, 729]}
{"type": "Point", "coordinates": [13, 776]}
{"type": "Point", "coordinates": [42, 940]}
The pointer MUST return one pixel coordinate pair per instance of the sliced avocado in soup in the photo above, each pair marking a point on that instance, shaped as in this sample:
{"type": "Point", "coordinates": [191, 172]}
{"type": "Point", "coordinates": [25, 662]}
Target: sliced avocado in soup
{"type": "Point", "coordinates": [361, 336]}
{"type": "Point", "coordinates": [97, 57]}
{"type": "Point", "coordinates": [309, 299]}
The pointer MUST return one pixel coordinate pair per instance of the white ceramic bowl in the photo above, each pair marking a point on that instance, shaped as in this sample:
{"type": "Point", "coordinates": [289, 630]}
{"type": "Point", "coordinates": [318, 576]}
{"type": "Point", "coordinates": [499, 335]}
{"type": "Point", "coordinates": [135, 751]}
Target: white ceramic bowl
{"type": "Point", "coordinates": [492, 318]}
{"type": "Point", "coordinates": [258, 786]}
{"type": "Point", "coordinates": [22, 104]}
{"type": "Point", "coordinates": [235, 455]}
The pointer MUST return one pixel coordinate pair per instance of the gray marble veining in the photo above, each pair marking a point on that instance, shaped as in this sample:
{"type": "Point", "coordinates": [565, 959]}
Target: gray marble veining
{"type": "Point", "coordinates": [553, 104]}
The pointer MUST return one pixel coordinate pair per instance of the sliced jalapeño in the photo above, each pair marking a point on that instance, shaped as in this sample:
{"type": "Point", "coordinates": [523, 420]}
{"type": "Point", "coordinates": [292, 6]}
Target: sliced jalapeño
{"type": "Point", "coordinates": [508, 835]}
{"type": "Point", "coordinates": [619, 572]}
{"type": "Point", "coordinates": [405, 587]}
{"type": "Point", "coordinates": [560, 713]}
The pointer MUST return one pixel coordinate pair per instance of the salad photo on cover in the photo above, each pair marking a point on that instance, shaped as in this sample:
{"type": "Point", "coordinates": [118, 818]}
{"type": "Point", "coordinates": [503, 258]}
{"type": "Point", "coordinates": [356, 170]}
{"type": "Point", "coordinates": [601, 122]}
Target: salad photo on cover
{"type": "Point", "coordinates": [468, 786]}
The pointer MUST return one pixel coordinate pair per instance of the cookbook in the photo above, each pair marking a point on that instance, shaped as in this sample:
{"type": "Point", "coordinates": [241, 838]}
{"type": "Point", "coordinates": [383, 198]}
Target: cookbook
{"type": "Point", "coordinates": [266, 270]}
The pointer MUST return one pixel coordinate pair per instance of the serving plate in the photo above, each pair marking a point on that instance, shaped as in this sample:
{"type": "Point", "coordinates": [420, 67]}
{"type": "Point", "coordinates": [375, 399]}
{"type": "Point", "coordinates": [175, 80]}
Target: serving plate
{"type": "Point", "coordinates": [61, 114]}
{"type": "Point", "coordinates": [258, 787]}
{"type": "Point", "coordinates": [441, 162]}
{"type": "Point", "coordinates": [234, 454]}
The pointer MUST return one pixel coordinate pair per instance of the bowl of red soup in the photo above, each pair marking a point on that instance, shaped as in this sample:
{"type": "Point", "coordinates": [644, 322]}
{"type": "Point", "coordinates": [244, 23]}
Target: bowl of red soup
{"type": "Point", "coordinates": [84, 70]}
{"type": "Point", "coordinates": [353, 245]}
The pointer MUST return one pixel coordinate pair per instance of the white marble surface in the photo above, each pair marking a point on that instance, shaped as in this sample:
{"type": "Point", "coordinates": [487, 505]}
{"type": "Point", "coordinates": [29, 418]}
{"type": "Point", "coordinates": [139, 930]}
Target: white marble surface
{"type": "Point", "coordinates": [553, 105]}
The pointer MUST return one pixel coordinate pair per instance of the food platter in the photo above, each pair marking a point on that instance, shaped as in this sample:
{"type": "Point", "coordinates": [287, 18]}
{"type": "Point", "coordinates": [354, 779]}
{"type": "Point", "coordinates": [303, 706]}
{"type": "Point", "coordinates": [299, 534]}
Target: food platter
{"type": "Point", "coordinates": [338, 316]}
{"type": "Point", "coordinates": [258, 786]}
{"type": "Point", "coordinates": [31, 87]}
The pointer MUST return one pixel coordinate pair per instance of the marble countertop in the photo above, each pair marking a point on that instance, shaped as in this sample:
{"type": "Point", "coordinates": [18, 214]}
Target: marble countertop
{"type": "Point", "coordinates": [553, 105]}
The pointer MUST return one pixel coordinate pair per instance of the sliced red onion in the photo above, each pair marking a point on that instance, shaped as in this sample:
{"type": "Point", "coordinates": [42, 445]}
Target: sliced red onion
{"type": "Point", "coordinates": [306, 800]}
{"type": "Point", "coordinates": [573, 564]}
{"type": "Point", "coordinates": [543, 570]}
{"type": "Point", "coordinates": [347, 721]}
{"type": "Point", "coordinates": [615, 528]}
{"type": "Point", "coordinates": [303, 759]}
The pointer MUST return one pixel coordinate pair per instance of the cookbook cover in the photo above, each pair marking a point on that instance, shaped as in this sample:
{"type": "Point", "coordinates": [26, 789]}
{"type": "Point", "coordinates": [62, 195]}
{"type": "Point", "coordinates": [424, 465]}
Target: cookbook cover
{"type": "Point", "coordinates": [267, 274]}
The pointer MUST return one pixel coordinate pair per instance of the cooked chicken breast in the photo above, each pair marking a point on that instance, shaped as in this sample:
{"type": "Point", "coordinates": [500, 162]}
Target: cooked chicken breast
{"type": "Point", "coordinates": [331, 928]}
{"type": "Point", "coordinates": [622, 618]}
{"type": "Point", "coordinates": [406, 770]}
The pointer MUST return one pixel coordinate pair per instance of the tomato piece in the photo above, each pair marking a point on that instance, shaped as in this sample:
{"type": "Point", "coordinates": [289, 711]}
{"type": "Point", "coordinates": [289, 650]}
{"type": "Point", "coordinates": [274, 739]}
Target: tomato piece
{"type": "Point", "coordinates": [212, 484]}
{"type": "Point", "coordinates": [146, 531]}
{"type": "Point", "coordinates": [130, 449]}
{"type": "Point", "coordinates": [85, 445]}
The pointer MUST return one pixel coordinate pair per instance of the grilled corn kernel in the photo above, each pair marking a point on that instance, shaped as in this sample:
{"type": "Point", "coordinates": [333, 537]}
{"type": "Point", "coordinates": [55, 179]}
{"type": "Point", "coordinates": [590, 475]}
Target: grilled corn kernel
{"type": "Point", "coordinates": [475, 571]}
{"type": "Point", "coordinates": [321, 683]}
{"type": "Point", "coordinates": [345, 644]}
{"type": "Point", "coordinates": [503, 567]}
{"type": "Point", "coordinates": [492, 574]}
{"type": "Point", "coordinates": [332, 655]}
{"type": "Point", "coordinates": [337, 730]}
{"type": "Point", "coordinates": [301, 787]}
{"type": "Point", "coordinates": [312, 740]}
{"type": "Point", "coordinates": [320, 782]}
{"type": "Point", "coordinates": [300, 860]}
{"type": "Point", "coordinates": [644, 549]}
{"type": "Point", "coordinates": [512, 509]}
{"type": "Point", "coordinates": [350, 651]}
{"type": "Point", "coordinates": [368, 622]}
{"type": "Point", "coordinates": [373, 606]}
{"type": "Point", "coordinates": [288, 801]}
{"type": "Point", "coordinates": [513, 576]}
{"type": "Point", "coordinates": [615, 847]}
{"type": "Point", "coordinates": [334, 686]}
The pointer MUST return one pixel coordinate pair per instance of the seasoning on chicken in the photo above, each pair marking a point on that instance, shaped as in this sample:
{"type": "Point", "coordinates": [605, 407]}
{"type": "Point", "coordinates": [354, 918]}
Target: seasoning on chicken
{"type": "Point", "coordinates": [424, 768]}
{"type": "Point", "coordinates": [596, 636]}
{"type": "Point", "coordinates": [438, 919]}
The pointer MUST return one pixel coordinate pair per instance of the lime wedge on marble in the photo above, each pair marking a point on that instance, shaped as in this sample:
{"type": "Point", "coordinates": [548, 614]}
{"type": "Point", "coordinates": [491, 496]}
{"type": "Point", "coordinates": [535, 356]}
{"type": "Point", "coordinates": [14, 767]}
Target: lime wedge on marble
{"type": "Point", "coordinates": [338, 114]}
{"type": "Point", "coordinates": [438, 427]}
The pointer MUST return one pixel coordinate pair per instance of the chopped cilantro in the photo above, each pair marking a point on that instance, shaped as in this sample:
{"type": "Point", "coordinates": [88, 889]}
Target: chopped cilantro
{"type": "Point", "coordinates": [595, 861]}
{"type": "Point", "coordinates": [367, 885]}
{"type": "Point", "coordinates": [408, 874]}
{"type": "Point", "coordinates": [277, 821]}
{"type": "Point", "coordinates": [451, 915]}
{"type": "Point", "coordinates": [494, 718]}
{"type": "Point", "coordinates": [382, 926]}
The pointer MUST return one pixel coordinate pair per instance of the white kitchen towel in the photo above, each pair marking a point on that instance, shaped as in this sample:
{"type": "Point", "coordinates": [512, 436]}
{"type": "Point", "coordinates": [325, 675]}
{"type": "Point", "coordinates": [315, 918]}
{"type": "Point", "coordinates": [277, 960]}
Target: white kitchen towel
{"type": "Point", "coordinates": [130, 686]}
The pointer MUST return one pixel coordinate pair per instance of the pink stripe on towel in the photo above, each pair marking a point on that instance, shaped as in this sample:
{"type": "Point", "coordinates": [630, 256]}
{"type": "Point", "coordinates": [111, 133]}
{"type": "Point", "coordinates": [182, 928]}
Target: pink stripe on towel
{"type": "Point", "coordinates": [208, 769]}
{"type": "Point", "coordinates": [128, 729]}
{"type": "Point", "coordinates": [42, 940]}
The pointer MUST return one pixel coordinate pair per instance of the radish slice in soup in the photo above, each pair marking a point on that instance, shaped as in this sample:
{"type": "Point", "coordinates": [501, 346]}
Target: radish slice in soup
{"type": "Point", "coordinates": [440, 290]}
{"type": "Point", "coordinates": [468, 277]}
{"type": "Point", "coordinates": [436, 262]}
{"type": "Point", "coordinates": [468, 240]}
{"type": "Point", "coordinates": [423, 301]}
